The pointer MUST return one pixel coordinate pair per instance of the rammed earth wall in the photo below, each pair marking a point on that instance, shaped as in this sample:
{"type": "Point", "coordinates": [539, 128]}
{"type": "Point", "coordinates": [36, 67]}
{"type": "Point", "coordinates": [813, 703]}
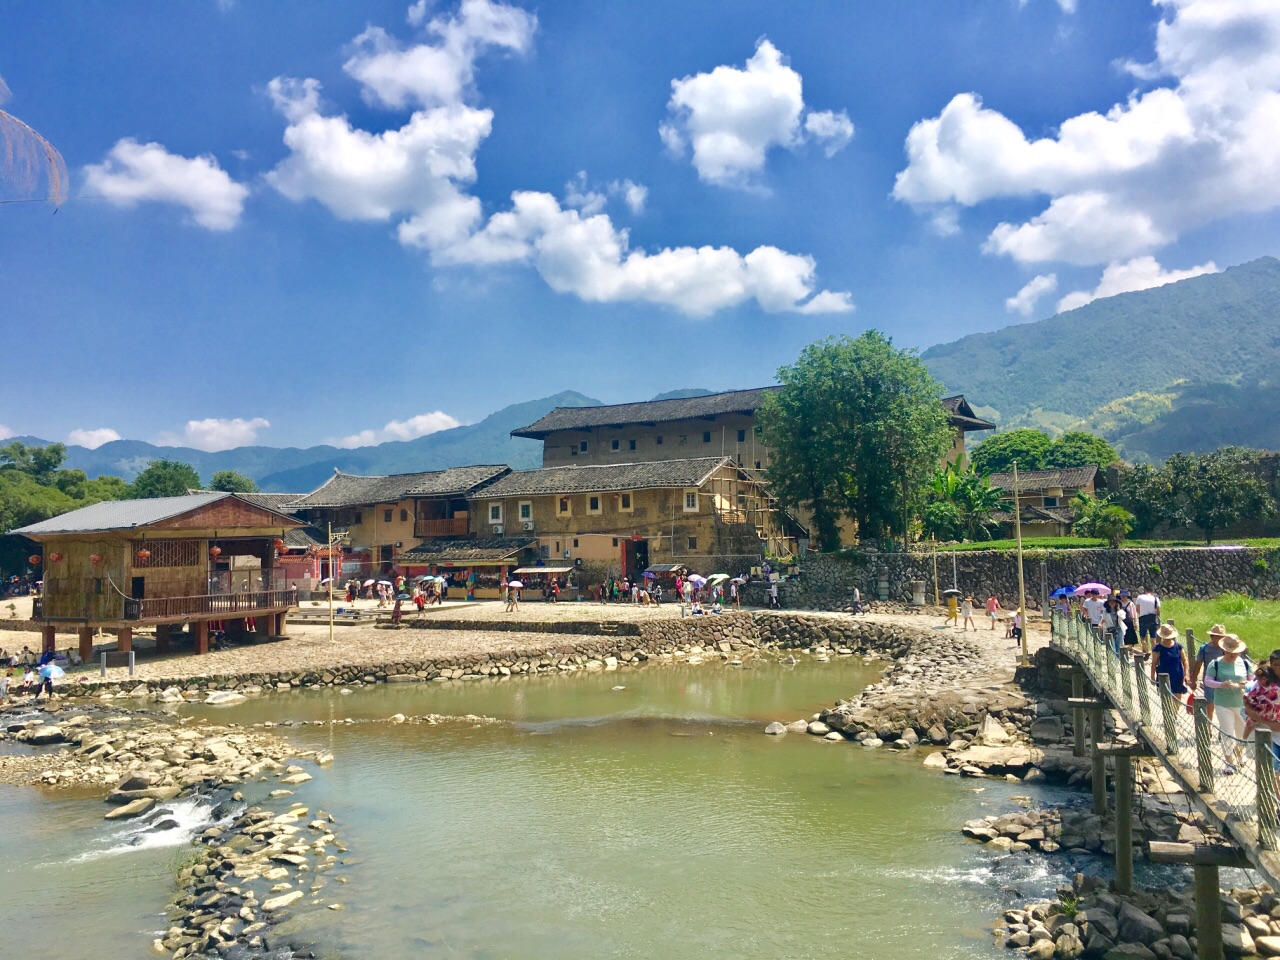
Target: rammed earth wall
{"type": "Point", "coordinates": [827, 580]}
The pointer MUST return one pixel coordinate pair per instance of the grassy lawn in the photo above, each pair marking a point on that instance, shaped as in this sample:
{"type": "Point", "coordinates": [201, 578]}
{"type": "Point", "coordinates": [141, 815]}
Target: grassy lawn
{"type": "Point", "coordinates": [1257, 622]}
{"type": "Point", "coordinates": [1086, 543]}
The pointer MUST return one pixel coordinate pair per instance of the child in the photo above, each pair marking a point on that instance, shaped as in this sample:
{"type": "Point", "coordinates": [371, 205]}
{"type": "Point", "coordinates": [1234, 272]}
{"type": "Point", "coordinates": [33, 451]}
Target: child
{"type": "Point", "coordinates": [4, 685]}
{"type": "Point", "coordinates": [966, 612]}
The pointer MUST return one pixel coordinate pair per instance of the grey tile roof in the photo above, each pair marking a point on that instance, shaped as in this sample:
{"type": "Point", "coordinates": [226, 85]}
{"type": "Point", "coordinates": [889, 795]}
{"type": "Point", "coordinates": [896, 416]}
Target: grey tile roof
{"type": "Point", "coordinates": [348, 490]}
{"type": "Point", "coordinates": [1034, 514]}
{"type": "Point", "coordinates": [604, 478]}
{"type": "Point", "coordinates": [689, 408]}
{"type": "Point", "coordinates": [279, 502]}
{"type": "Point", "coordinates": [650, 411]}
{"type": "Point", "coordinates": [1033, 481]}
{"type": "Point", "coordinates": [488, 548]}
{"type": "Point", "coordinates": [123, 514]}
{"type": "Point", "coordinates": [304, 538]}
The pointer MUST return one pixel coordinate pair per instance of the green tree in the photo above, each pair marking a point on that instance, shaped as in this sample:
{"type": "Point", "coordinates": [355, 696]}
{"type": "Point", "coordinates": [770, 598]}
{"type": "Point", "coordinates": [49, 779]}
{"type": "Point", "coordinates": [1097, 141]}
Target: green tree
{"type": "Point", "coordinates": [39, 463]}
{"type": "Point", "coordinates": [1146, 492]}
{"type": "Point", "coordinates": [1079, 450]}
{"type": "Point", "coordinates": [1216, 490]}
{"type": "Point", "coordinates": [855, 432]}
{"type": "Point", "coordinates": [1099, 518]}
{"type": "Point", "coordinates": [960, 504]}
{"type": "Point", "coordinates": [164, 478]}
{"type": "Point", "coordinates": [228, 481]}
{"type": "Point", "coordinates": [997, 453]}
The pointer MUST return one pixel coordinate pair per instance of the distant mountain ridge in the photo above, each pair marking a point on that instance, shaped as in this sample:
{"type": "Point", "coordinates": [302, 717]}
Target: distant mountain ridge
{"type": "Point", "coordinates": [302, 469]}
{"type": "Point", "coordinates": [1187, 366]}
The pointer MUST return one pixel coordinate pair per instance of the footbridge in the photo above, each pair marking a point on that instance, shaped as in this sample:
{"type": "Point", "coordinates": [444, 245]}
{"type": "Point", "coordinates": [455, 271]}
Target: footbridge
{"type": "Point", "coordinates": [1231, 782]}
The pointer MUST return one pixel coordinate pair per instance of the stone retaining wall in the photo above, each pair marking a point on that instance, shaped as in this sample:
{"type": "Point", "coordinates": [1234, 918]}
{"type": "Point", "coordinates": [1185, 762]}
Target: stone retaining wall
{"type": "Point", "coordinates": [712, 634]}
{"type": "Point", "coordinates": [827, 580]}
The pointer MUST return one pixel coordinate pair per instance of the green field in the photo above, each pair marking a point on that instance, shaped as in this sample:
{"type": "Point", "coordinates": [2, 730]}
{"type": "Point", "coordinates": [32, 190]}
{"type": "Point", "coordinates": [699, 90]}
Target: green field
{"type": "Point", "coordinates": [1086, 543]}
{"type": "Point", "coordinates": [1257, 622]}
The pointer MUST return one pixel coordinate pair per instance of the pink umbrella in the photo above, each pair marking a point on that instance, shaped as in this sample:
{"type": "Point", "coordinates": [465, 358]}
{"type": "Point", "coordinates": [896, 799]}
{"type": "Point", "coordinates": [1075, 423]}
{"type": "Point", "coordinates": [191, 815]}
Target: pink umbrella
{"type": "Point", "coordinates": [1086, 588]}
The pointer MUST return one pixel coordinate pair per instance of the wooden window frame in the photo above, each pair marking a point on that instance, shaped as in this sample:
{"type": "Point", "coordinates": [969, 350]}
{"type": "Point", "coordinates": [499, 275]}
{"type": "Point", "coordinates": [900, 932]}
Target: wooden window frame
{"type": "Point", "coordinates": [630, 505]}
{"type": "Point", "coordinates": [687, 494]}
{"type": "Point", "coordinates": [564, 506]}
{"type": "Point", "coordinates": [498, 507]}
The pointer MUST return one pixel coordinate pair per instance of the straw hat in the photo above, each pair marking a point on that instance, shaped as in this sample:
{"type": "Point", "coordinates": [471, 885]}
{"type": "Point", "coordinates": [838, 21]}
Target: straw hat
{"type": "Point", "coordinates": [1232, 644]}
{"type": "Point", "coordinates": [1167, 631]}
{"type": "Point", "coordinates": [1218, 630]}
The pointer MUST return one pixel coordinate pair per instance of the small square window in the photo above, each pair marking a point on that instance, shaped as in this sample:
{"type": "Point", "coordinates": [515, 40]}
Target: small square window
{"type": "Point", "coordinates": [495, 513]}
{"type": "Point", "coordinates": [691, 501]}
{"type": "Point", "coordinates": [742, 436]}
{"type": "Point", "coordinates": [757, 464]}
{"type": "Point", "coordinates": [658, 440]}
{"type": "Point", "coordinates": [593, 504]}
{"type": "Point", "coordinates": [564, 507]}
{"type": "Point", "coordinates": [575, 543]}
{"type": "Point", "coordinates": [526, 510]}
{"type": "Point", "coordinates": [615, 445]}
{"type": "Point", "coordinates": [706, 436]}
{"type": "Point", "coordinates": [631, 444]}
{"type": "Point", "coordinates": [693, 543]}
{"type": "Point", "coordinates": [386, 516]}
{"type": "Point", "coordinates": [624, 501]}
{"type": "Point", "coordinates": [1050, 501]}
{"type": "Point", "coordinates": [404, 515]}
{"type": "Point", "coordinates": [359, 517]}
{"type": "Point", "coordinates": [615, 541]}
{"type": "Point", "coordinates": [583, 446]}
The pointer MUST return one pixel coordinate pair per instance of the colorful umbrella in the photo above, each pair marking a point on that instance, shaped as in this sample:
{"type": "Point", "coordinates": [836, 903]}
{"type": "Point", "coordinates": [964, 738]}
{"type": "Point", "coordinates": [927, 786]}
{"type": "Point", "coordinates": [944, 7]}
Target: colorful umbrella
{"type": "Point", "coordinates": [514, 583]}
{"type": "Point", "coordinates": [738, 580]}
{"type": "Point", "coordinates": [1065, 590]}
{"type": "Point", "coordinates": [51, 671]}
{"type": "Point", "coordinates": [369, 583]}
{"type": "Point", "coordinates": [696, 578]}
{"type": "Point", "coordinates": [717, 577]}
{"type": "Point", "coordinates": [1087, 588]}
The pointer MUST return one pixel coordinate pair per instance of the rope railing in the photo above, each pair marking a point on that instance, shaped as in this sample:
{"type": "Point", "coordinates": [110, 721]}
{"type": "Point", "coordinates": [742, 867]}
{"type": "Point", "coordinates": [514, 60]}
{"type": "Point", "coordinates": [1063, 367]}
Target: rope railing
{"type": "Point", "coordinates": [1237, 776]}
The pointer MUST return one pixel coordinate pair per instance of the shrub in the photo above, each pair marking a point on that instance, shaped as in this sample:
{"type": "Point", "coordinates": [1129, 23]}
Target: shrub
{"type": "Point", "coordinates": [1237, 604]}
{"type": "Point", "coordinates": [1260, 565]}
{"type": "Point", "coordinates": [1154, 569]}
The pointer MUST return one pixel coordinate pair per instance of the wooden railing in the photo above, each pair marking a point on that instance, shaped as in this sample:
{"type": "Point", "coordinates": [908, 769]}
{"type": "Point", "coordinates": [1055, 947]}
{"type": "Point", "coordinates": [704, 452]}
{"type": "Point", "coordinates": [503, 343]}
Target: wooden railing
{"type": "Point", "coordinates": [225, 604]}
{"type": "Point", "coordinates": [452, 527]}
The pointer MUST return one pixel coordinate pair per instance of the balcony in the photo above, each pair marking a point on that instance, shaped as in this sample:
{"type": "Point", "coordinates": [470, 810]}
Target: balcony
{"type": "Point", "coordinates": [214, 604]}
{"type": "Point", "coordinates": [435, 529]}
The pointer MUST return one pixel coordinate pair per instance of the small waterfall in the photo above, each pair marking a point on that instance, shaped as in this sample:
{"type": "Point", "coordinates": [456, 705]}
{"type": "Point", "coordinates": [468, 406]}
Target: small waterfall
{"type": "Point", "coordinates": [172, 823]}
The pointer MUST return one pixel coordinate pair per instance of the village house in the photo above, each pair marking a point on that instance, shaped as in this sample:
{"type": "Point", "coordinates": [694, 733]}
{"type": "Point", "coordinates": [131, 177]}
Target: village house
{"type": "Point", "coordinates": [703, 512]}
{"type": "Point", "coordinates": [716, 425]}
{"type": "Point", "coordinates": [161, 562]}
{"type": "Point", "coordinates": [1044, 499]}
{"type": "Point", "coordinates": [385, 516]}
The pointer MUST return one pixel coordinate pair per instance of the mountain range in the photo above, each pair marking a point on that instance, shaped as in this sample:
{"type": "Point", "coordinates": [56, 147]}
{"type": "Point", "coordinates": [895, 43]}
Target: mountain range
{"type": "Point", "coordinates": [1184, 367]}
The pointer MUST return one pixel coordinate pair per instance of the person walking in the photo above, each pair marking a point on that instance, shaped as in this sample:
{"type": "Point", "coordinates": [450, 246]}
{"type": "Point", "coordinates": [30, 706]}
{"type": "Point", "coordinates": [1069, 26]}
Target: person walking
{"type": "Point", "coordinates": [953, 611]}
{"type": "Point", "coordinates": [1130, 610]}
{"type": "Point", "coordinates": [773, 595]}
{"type": "Point", "coordinates": [1262, 701]}
{"type": "Point", "coordinates": [1206, 655]}
{"type": "Point", "coordinates": [993, 609]}
{"type": "Point", "coordinates": [1094, 608]}
{"type": "Point", "coordinates": [1148, 605]}
{"type": "Point", "coordinates": [1170, 658]}
{"type": "Point", "coordinates": [966, 613]}
{"type": "Point", "coordinates": [1226, 676]}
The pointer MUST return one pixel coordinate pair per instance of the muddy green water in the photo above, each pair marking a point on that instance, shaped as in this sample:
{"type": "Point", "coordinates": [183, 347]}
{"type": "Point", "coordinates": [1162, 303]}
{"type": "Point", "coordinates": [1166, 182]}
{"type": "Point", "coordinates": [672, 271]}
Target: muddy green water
{"type": "Point", "coordinates": [654, 821]}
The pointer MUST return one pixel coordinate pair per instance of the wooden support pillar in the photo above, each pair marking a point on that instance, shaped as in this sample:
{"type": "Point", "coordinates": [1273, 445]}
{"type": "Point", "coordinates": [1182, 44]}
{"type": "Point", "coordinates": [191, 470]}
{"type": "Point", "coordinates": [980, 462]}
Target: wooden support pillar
{"type": "Point", "coordinates": [1206, 859]}
{"type": "Point", "coordinates": [48, 638]}
{"type": "Point", "coordinates": [86, 643]}
{"type": "Point", "coordinates": [1124, 754]}
{"type": "Point", "coordinates": [200, 635]}
{"type": "Point", "coordinates": [1099, 775]}
{"type": "Point", "coordinates": [124, 639]}
{"type": "Point", "coordinates": [262, 626]}
{"type": "Point", "coordinates": [282, 624]}
{"type": "Point", "coordinates": [163, 637]}
{"type": "Point", "coordinates": [1077, 713]}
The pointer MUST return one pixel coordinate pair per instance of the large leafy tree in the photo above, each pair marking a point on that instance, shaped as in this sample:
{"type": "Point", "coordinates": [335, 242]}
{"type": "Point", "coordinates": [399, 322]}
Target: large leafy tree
{"type": "Point", "coordinates": [1215, 490]}
{"type": "Point", "coordinates": [1080, 449]}
{"type": "Point", "coordinates": [39, 463]}
{"type": "Point", "coordinates": [855, 433]}
{"type": "Point", "coordinates": [1030, 448]}
{"type": "Point", "coordinates": [1146, 492]}
{"type": "Point", "coordinates": [959, 505]}
{"type": "Point", "coordinates": [229, 481]}
{"type": "Point", "coordinates": [164, 478]}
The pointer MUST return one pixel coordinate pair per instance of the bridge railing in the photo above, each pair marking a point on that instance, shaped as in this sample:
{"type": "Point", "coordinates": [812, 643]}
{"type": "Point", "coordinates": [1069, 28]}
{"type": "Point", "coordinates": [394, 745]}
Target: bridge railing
{"type": "Point", "coordinates": [1232, 775]}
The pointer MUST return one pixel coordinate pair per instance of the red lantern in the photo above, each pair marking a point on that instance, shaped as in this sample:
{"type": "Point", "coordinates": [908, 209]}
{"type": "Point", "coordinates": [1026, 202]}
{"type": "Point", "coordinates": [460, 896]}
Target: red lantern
{"type": "Point", "coordinates": [143, 555]}
{"type": "Point", "coordinates": [95, 558]}
{"type": "Point", "coordinates": [55, 557]}
{"type": "Point", "coordinates": [279, 543]}
{"type": "Point", "coordinates": [34, 559]}
{"type": "Point", "coordinates": [215, 552]}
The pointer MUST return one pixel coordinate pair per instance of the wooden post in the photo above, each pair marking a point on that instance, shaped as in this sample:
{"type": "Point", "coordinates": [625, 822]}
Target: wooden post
{"type": "Point", "coordinates": [200, 635]}
{"type": "Point", "coordinates": [1077, 713]}
{"type": "Point", "coordinates": [1204, 751]}
{"type": "Point", "coordinates": [1099, 762]}
{"type": "Point", "coordinates": [1208, 913]}
{"type": "Point", "coordinates": [162, 637]}
{"type": "Point", "coordinates": [86, 643]}
{"type": "Point", "coordinates": [1265, 777]}
{"type": "Point", "coordinates": [48, 638]}
{"type": "Point", "coordinates": [1167, 708]}
{"type": "Point", "coordinates": [1124, 825]}
{"type": "Point", "coordinates": [282, 624]}
{"type": "Point", "coordinates": [124, 639]}
{"type": "Point", "coordinates": [264, 625]}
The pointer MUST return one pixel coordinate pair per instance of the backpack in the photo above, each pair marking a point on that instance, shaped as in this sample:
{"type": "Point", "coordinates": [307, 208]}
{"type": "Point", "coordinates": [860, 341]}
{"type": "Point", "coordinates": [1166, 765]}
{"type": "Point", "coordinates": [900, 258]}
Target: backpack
{"type": "Point", "coordinates": [1248, 667]}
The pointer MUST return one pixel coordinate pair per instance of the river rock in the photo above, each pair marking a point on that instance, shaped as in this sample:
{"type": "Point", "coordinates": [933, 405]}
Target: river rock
{"type": "Point", "coordinates": [42, 736]}
{"type": "Point", "coordinates": [818, 728]}
{"type": "Point", "coordinates": [1067, 946]}
{"type": "Point", "coordinates": [1129, 951]}
{"type": "Point", "coordinates": [276, 903]}
{"type": "Point", "coordinates": [219, 751]}
{"type": "Point", "coordinates": [1268, 946]}
{"type": "Point", "coordinates": [776, 729]}
{"type": "Point", "coordinates": [1046, 730]}
{"type": "Point", "coordinates": [134, 808]}
{"type": "Point", "coordinates": [1236, 940]}
{"type": "Point", "coordinates": [1041, 950]}
{"type": "Point", "coordinates": [872, 742]}
{"type": "Point", "coordinates": [797, 726]}
{"type": "Point", "coordinates": [1016, 755]}
{"type": "Point", "coordinates": [224, 696]}
{"type": "Point", "coordinates": [295, 778]}
{"type": "Point", "coordinates": [936, 761]}
{"type": "Point", "coordinates": [1136, 927]}
{"type": "Point", "coordinates": [991, 732]}
{"type": "Point", "coordinates": [1180, 947]}
{"type": "Point", "coordinates": [833, 736]}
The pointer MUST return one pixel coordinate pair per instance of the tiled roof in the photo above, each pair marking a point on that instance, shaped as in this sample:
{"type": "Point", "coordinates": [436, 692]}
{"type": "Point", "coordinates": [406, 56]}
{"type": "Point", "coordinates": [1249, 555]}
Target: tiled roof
{"type": "Point", "coordinates": [1034, 514]}
{"type": "Point", "coordinates": [348, 490]}
{"type": "Point", "coordinates": [605, 477]}
{"type": "Point", "coordinates": [124, 514]}
{"type": "Point", "coordinates": [304, 538]}
{"type": "Point", "coordinates": [279, 502]}
{"type": "Point", "coordinates": [1033, 481]}
{"type": "Point", "coordinates": [466, 551]}
{"type": "Point", "coordinates": [689, 408]}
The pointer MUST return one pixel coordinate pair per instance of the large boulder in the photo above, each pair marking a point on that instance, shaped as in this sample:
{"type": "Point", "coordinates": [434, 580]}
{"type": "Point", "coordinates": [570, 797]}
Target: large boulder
{"type": "Point", "coordinates": [1137, 927]}
{"type": "Point", "coordinates": [776, 729]}
{"type": "Point", "coordinates": [1129, 951]}
{"type": "Point", "coordinates": [991, 732]}
{"type": "Point", "coordinates": [42, 736]}
{"type": "Point", "coordinates": [134, 808]}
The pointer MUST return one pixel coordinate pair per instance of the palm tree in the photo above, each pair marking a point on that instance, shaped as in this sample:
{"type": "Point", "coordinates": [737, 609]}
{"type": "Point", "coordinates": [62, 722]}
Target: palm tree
{"type": "Point", "coordinates": [27, 158]}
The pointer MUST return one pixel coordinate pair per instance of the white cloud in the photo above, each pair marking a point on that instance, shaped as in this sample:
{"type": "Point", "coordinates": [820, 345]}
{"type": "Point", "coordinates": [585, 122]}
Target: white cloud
{"type": "Point", "coordinates": [92, 438]}
{"type": "Point", "coordinates": [1025, 300]}
{"type": "Point", "coordinates": [418, 176]}
{"type": "Point", "coordinates": [731, 118]}
{"type": "Point", "coordinates": [6, 432]}
{"type": "Point", "coordinates": [419, 426]}
{"type": "Point", "coordinates": [1196, 148]}
{"type": "Point", "coordinates": [1140, 273]}
{"type": "Point", "coordinates": [217, 434]}
{"type": "Point", "coordinates": [416, 15]}
{"type": "Point", "coordinates": [134, 172]}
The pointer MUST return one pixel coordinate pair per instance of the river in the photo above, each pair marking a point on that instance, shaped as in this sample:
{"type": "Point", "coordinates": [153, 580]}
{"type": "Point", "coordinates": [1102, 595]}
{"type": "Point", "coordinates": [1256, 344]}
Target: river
{"type": "Point", "coordinates": [650, 821]}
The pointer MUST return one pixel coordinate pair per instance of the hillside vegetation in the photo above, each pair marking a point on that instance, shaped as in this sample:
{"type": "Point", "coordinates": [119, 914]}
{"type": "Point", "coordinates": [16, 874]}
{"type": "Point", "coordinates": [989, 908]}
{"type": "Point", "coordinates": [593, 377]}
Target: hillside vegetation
{"type": "Point", "coordinates": [1187, 366]}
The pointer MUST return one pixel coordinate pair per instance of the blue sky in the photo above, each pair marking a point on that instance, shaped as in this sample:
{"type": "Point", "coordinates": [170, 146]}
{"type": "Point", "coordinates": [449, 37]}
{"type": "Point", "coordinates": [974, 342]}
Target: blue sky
{"type": "Point", "coordinates": [293, 222]}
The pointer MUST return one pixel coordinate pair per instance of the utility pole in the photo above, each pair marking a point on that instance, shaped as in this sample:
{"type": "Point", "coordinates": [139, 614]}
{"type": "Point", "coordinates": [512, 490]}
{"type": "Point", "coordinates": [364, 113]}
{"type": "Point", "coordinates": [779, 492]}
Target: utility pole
{"type": "Point", "coordinates": [1022, 586]}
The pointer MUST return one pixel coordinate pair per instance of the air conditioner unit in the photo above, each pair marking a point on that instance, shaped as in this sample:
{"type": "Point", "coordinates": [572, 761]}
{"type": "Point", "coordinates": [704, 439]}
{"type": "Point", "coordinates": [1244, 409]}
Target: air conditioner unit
{"type": "Point", "coordinates": [568, 554]}
{"type": "Point", "coordinates": [528, 524]}
{"type": "Point", "coordinates": [497, 528]}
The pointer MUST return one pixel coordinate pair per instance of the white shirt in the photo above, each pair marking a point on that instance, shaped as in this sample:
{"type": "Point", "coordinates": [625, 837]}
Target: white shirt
{"type": "Point", "coordinates": [1148, 604]}
{"type": "Point", "coordinates": [1093, 607]}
